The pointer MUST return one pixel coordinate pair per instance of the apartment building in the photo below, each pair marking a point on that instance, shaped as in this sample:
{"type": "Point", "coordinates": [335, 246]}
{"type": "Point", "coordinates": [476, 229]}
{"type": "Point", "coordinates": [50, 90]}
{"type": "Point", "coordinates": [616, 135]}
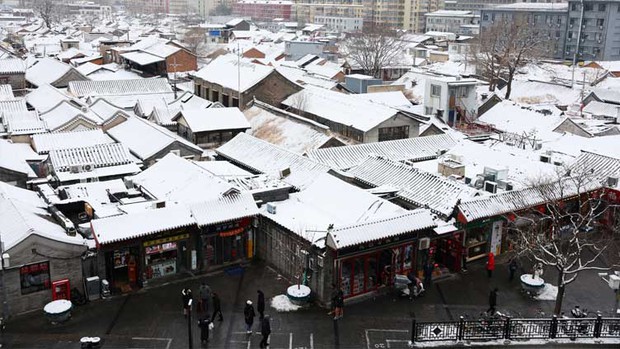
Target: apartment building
{"type": "Point", "coordinates": [415, 11]}
{"type": "Point", "coordinates": [600, 30]}
{"type": "Point", "coordinates": [457, 22]}
{"type": "Point", "coordinates": [308, 11]}
{"type": "Point", "coordinates": [263, 10]}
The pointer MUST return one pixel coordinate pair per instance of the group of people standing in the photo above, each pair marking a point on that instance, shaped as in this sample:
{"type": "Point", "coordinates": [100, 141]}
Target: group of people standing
{"type": "Point", "coordinates": [249, 315]}
{"type": "Point", "coordinates": [206, 300]}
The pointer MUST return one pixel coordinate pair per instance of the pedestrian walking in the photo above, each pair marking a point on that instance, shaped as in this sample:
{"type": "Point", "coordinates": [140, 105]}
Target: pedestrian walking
{"type": "Point", "coordinates": [217, 307]}
{"type": "Point", "coordinates": [339, 305]}
{"type": "Point", "coordinates": [265, 331]}
{"type": "Point", "coordinates": [205, 325]}
{"type": "Point", "coordinates": [334, 299]}
{"type": "Point", "coordinates": [260, 305]}
{"type": "Point", "coordinates": [186, 295]}
{"type": "Point", "coordinates": [428, 273]}
{"type": "Point", "coordinates": [492, 301]}
{"type": "Point", "coordinates": [490, 264]}
{"type": "Point", "coordinates": [512, 268]}
{"type": "Point", "coordinates": [205, 296]}
{"type": "Point", "coordinates": [249, 315]}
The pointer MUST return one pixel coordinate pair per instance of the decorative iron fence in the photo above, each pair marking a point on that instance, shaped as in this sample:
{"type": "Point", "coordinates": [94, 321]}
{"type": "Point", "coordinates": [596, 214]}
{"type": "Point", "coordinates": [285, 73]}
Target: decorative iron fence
{"type": "Point", "coordinates": [515, 329]}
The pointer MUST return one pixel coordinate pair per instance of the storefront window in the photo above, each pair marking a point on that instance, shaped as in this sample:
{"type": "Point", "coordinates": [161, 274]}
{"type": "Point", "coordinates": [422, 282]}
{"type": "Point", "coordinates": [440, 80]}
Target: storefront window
{"type": "Point", "coordinates": [358, 269]}
{"type": "Point", "coordinates": [371, 282]}
{"type": "Point", "coordinates": [161, 259]}
{"type": "Point", "coordinates": [398, 260]}
{"type": "Point", "coordinates": [477, 241]}
{"type": "Point", "coordinates": [345, 280]}
{"type": "Point", "coordinates": [35, 277]}
{"type": "Point", "coordinates": [408, 257]}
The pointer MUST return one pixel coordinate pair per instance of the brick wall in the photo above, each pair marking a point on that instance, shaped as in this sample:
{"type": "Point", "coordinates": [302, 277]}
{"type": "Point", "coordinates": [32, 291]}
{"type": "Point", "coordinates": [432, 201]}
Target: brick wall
{"type": "Point", "coordinates": [184, 60]}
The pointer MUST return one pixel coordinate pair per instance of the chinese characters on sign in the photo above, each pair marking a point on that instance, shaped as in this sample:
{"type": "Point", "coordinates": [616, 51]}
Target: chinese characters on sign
{"type": "Point", "coordinates": [35, 277]}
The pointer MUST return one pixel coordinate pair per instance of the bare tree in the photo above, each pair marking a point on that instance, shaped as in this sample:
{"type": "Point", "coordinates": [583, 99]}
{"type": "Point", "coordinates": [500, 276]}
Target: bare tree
{"type": "Point", "coordinates": [374, 49]}
{"type": "Point", "coordinates": [505, 47]}
{"type": "Point", "coordinates": [565, 231]}
{"type": "Point", "coordinates": [193, 39]}
{"type": "Point", "coordinates": [47, 10]}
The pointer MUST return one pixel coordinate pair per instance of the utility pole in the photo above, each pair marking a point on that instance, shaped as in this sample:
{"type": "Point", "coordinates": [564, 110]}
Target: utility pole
{"type": "Point", "coordinates": [189, 324]}
{"type": "Point", "coordinates": [174, 82]}
{"type": "Point", "coordinates": [5, 304]}
{"type": "Point", "coordinates": [239, 75]}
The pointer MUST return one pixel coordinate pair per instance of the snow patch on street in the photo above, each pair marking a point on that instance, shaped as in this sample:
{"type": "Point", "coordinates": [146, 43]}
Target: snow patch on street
{"type": "Point", "coordinates": [549, 293]}
{"type": "Point", "coordinates": [281, 303]}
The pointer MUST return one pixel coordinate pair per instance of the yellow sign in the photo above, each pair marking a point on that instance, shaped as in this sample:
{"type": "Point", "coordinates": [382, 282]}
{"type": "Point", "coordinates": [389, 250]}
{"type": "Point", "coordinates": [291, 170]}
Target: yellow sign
{"type": "Point", "coordinates": [165, 240]}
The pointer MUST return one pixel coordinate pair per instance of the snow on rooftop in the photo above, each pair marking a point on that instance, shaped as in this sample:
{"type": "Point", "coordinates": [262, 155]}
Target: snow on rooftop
{"type": "Point", "coordinates": [214, 119]}
{"type": "Point", "coordinates": [14, 158]}
{"type": "Point", "coordinates": [142, 58]}
{"type": "Point", "coordinates": [45, 142]}
{"type": "Point", "coordinates": [45, 97]}
{"type": "Point", "coordinates": [225, 70]}
{"type": "Point", "coordinates": [46, 71]}
{"type": "Point", "coordinates": [119, 87]}
{"type": "Point", "coordinates": [340, 108]}
{"type": "Point", "coordinates": [12, 66]}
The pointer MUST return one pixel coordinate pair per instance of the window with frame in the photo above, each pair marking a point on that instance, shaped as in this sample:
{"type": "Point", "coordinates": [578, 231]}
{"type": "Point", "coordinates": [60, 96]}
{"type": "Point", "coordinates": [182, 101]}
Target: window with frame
{"type": "Point", "coordinates": [602, 7]}
{"type": "Point", "coordinates": [392, 133]}
{"type": "Point", "coordinates": [435, 90]}
{"type": "Point", "coordinates": [588, 7]}
{"type": "Point", "coordinates": [35, 277]}
{"type": "Point", "coordinates": [600, 22]}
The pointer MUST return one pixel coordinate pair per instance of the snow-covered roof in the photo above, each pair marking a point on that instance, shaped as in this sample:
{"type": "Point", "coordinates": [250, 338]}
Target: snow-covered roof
{"type": "Point", "coordinates": [286, 132]}
{"type": "Point", "coordinates": [105, 110]}
{"type": "Point", "coordinates": [66, 112]}
{"type": "Point", "coordinates": [14, 158]}
{"type": "Point", "coordinates": [261, 156]}
{"type": "Point", "coordinates": [142, 58]}
{"type": "Point", "coordinates": [310, 212]}
{"type": "Point", "coordinates": [413, 149]}
{"type": "Point", "coordinates": [12, 66]}
{"type": "Point", "coordinates": [99, 155]}
{"type": "Point", "coordinates": [421, 188]}
{"type": "Point", "coordinates": [129, 226]}
{"type": "Point", "coordinates": [45, 142]}
{"type": "Point", "coordinates": [340, 108]}
{"type": "Point", "coordinates": [225, 71]}
{"type": "Point", "coordinates": [223, 169]}
{"type": "Point", "coordinates": [47, 71]}
{"type": "Point", "coordinates": [301, 77]}
{"type": "Point", "coordinates": [356, 234]}
{"type": "Point", "coordinates": [602, 109]}
{"type": "Point", "coordinates": [6, 93]}
{"type": "Point", "coordinates": [153, 138]}
{"type": "Point", "coordinates": [214, 119]}
{"type": "Point", "coordinates": [227, 208]}
{"type": "Point", "coordinates": [543, 93]}
{"type": "Point", "coordinates": [45, 97]}
{"type": "Point", "coordinates": [119, 87]}
{"type": "Point", "coordinates": [560, 7]}
{"type": "Point", "coordinates": [599, 166]}
{"type": "Point", "coordinates": [180, 181]}
{"type": "Point", "coordinates": [23, 213]}
{"type": "Point", "coordinates": [607, 95]}
{"type": "Point", "coordinates": [15, 105]}
{"type": "Point", "coordinates": [24, 123]}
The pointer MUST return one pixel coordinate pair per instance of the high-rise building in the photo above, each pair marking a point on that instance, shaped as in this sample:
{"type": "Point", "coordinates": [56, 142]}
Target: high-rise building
{"type": "Point", "coordinates": [178, 6]}
{"type": "Point", "coordinates": [400, 14]}
{"type": "Point", "coordinates": [415, 11]}
{"type": "Point", "coordinates": [600, 30]}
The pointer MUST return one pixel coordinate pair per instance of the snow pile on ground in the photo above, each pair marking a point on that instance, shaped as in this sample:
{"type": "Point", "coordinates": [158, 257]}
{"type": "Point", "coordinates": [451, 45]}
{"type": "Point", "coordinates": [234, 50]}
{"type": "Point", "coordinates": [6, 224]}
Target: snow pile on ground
{"type": "Point", "coordinates": [549, 293]}
{"type": "Point", "coordinates": [281, 303]}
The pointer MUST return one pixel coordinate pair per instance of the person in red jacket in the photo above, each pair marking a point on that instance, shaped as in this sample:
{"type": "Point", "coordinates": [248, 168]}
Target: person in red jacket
{"type": "Point", "coordinates": [490, 264]}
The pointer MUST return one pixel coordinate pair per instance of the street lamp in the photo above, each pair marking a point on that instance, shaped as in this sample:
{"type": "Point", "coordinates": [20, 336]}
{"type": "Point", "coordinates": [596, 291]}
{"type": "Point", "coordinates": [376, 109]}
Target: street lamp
{"type": "Point", "coordinates": [613, 281]}
{"type": "Point", "coordinates": [189, 323]}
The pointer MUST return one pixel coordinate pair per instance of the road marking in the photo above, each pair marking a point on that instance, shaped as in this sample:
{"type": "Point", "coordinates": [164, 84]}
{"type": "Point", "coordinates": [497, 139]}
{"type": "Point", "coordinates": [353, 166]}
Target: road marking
{"type": "Point", "coordinates": [388, 341]}
{"type": "Point", "coordinates": [311, 341]}
{"type": "Point", "coordinates": [290, 340]}
{"type": "Point", "coordinates": [168, 340]}
{"type": "Point", "coordinates": [379, 345]}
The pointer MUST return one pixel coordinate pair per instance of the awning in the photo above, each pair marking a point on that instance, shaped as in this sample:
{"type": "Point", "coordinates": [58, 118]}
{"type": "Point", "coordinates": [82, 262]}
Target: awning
{"type": "Point", "coordinates": [445, 229]}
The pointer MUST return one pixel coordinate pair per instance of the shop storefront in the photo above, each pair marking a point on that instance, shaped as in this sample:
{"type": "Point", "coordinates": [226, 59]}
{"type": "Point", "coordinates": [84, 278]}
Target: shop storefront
{"type": "Point", "coordinates": [445, 252]}
{"type": "Point", "coordinates": [122, 266]}
{"type": "Point", "coordinates": [226, 243]}
{"type": "Point", "coordinates": [368, 271]}
{"type": "Point", "coordinates": [484, 237]}
{"type": "Point", "coordinates": [166, 256]}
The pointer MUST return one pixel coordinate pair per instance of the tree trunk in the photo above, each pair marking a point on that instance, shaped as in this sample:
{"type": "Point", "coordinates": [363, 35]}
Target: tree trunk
{"type": "Point", "coordinates": [508, 87]}
{"type": "Point", "coordinates": [560, 297]}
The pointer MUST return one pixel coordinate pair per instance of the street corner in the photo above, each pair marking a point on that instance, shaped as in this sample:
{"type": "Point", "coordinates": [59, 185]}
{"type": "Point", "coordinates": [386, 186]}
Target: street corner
{"type": "Point", "coordinates": [387, 338]}
{"type": "Point", "coordinates": [277, 340]}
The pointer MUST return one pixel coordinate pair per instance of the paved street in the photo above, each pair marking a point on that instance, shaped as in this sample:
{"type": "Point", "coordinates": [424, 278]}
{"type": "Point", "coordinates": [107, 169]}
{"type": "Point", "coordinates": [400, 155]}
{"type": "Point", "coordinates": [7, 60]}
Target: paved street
{"type": "Point", "coordinates": [152, 318]}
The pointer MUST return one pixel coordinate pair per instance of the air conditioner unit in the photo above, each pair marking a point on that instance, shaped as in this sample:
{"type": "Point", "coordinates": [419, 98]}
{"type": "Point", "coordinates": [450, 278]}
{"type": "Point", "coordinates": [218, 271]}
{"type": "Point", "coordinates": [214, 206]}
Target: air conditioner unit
{"type": "Point", "coordinates": [509, 186]}
{"type": "Point", "coordinates": [490, 186]}
{"type": "Point", "coordinates": [88, 167]}
{"type": "Point", "coordinates": [467, 180]}
{"type": "Point", "coordinates": [285, 172]}
{"type": "Point", "coordinates": [425, 243]}
{"type": "Point", "coordinates": [612, 182]}
{"type": "Point", "coordinates": [545, 158]}
{"type": "Point", "coordinates": [75, 169]}
{"type": "Point", "coordinates": [479, 183]}
{"type": "Point", "coordinates": [271, 208]}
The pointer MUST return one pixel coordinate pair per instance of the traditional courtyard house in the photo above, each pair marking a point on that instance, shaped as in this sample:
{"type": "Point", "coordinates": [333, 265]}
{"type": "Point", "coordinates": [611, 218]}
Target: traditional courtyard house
{"type": "Point", "coordinates": [53, 72]}
{"type": "Point", "coordinates": [6, 93]}
{"type": "Point", "coordinates": [43, 143]}
{"type": "Point", "coordinates": [70, 115]}
{"type": "Point", "coordinates": [158, 242]}
{"type": "Point", "coordinates": [90, 164]}
{"type": "Point", "coordinates": [228, 78]}
{"type": "Point", "coordinates": [37, 251]}
{"type": "Point", "coordinates": [287, 130]}
{"type": "Point", "coordinates": [13, 72]}
{"type": "Point", "coordinates": [411, 150]}
{"type": "Point", "coordinates": [162, 112]}
{"type": "Point", "coordinates": [19, 126]}
{"type": "Point", "coordinates": [154, 141]}
{"type": "Point", "coordinates": [18, 163]}
{"type": "Point", "coordinates": [159, 58]}
{"type": "Point", "coordinates": [122, 93]}
{"type": "Point", "coordinates": [45, 97]}
{"type": "Point", "coordinates": [209, 128]}
{"type": "Point", "coordinates": [355, 118]}
{"type": "Point", "coordinates": [353, 239]}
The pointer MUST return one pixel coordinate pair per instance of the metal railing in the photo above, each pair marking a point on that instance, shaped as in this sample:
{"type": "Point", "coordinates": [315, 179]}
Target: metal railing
{"type": "Point", "coordinates": [485, 329]}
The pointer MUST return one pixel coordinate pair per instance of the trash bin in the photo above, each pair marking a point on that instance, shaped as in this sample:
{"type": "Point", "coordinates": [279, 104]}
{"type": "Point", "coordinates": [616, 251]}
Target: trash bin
{"type": "Point", "coordinates": [93, 288]}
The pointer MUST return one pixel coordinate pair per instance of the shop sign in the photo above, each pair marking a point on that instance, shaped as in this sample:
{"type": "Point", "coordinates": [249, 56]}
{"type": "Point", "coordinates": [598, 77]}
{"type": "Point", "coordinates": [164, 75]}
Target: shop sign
{"type": "Point", "coordinates": [228, 226]}
{"type": "Point", "coordinates": [166, 240]}
{"type": "Point", "coordinates": [231, 232]}
{"type": "Point", "coordinates": [35, 277]}
{"type": "Point", "coordinates": [121, 257]}
{"type": "Point", "coordinates": [160, 248]}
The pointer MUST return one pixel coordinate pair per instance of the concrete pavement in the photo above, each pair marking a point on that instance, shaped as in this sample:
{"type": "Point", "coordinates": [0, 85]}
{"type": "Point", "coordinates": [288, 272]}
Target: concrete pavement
{"type": "Point", "coordinates": [152, 318]}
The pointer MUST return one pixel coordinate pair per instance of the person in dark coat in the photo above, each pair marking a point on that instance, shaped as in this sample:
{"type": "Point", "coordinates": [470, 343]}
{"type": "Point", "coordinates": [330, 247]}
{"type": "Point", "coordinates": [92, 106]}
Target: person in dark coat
{"type": "Point", "coordinates": [260, 305]}
{"type": "Point", "coordinates": [334, 299]}
{"type": "Point", "coordinates": [492, 301]}
{"type": "Point", "coordinates": [265, 331]}
{"type": "Point", "coordinates": [217, 307]}
{"type": "Point", "coordinates": [512, 268]}
{"type": "Point", "coordinates": [205, 297]}
{"type": "Point", "coordinates": [339, 306]}
{"type": "Point", "coordinates": [249, 315]}
{"type": "Point", "coordinates": [203, 324]}
{"type": "Point", "coordinates": [428, 273]}
{"type": "Point", "coordinates": [186, 295]}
